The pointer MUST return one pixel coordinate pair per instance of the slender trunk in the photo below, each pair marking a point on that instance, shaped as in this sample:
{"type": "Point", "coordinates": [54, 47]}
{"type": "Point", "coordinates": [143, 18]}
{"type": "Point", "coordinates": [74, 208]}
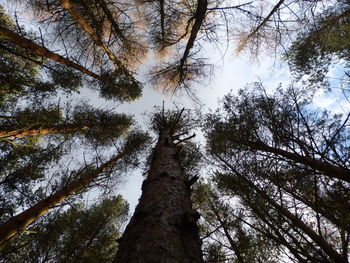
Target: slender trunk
{"type": "Point", "coordinates": [261, 25]}
{"type": "Point", "coordinates": [297, 222]}
{"type": "Point", "coordinates": [199, 18]}
{"type": "Point", "coordinates": [162, 19]}
{"type": "Point", "coordinates": [19, 222]}
{"type": "Point", "coordinates": [42, 51]}
{"type": "Point", "coordinates": [319, 208]}
{"type": "Point", "coordinates": [325, 168]}
{"type": "Point", "coordinates": [297, 252]}
{"type": "Point", "coordinates": [112, 21]}
{"type": "Point", "coordinates": [223, 225]}
{"type": "Point", "coordinates": [67, 4]}
{"type": "Point", "coordinates": [164, 227]}
{"type": "Point", "coordinates": [40, 131]}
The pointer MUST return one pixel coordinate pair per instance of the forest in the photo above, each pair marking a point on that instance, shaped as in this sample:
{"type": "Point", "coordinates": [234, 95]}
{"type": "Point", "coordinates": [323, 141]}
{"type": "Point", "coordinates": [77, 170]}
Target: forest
{"type": "Point", "coordinates": [105, 100]}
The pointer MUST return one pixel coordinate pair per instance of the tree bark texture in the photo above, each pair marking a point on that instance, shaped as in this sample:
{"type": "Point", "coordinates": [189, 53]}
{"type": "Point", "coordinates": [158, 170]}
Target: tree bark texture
{"type": "Point", "coordinates": [164, 227]}
{"type": "Point", "coordinates": [18, 223]}
{"type": "Point", "coordinates": [42, 51]}
{"type": "Point", "coordinates": [40, 131]}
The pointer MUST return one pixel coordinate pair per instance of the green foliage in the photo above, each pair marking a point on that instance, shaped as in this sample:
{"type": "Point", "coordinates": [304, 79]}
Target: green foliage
{"type": "Point", "coordinates": [322, 44]}
{"type": "Point", "coordinates": [191, 159]}
{"type": "Point", "coordinates": [21, 168]}
{"type": "Point", "coordinates": [67, 79]}
{"type": "Point", "coordinates": [97, 127]}
{"type": "Point", "coordinates": [227, 236]}
{"type": "Point", "coordinates": [173, 121]}
{"type": "Point", "coordinates": [21, 71]}
{"type": "Point", "coordinates": [135, 145]}
{"type": "Point", "coordinates": [266, 148]}
{"type": "Point", "coordinates": [76, 235]}
{"type": "Point", "coordinates": [16, 73]}
{"type": "Point", "coordinates": [120, 86]}
{"type": "Point", "coordinates": [213, 253]}
{"type": "Point", "coordinates": [104, 126]}
{"type": "Point", "coordinates": [283, 120]}
{"type": "Point", "coordinates": [29, 118]}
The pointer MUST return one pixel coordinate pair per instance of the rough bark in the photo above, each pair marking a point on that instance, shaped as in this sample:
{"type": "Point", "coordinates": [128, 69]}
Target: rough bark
{"type": "Point", "coordinates": [164, 227]}
{"type": "Point", "coordinates": [19, 222]}
{"type": "Point", "coordinates": [40, 131]}
{"type": "Point", "coordinates": [29, 45]}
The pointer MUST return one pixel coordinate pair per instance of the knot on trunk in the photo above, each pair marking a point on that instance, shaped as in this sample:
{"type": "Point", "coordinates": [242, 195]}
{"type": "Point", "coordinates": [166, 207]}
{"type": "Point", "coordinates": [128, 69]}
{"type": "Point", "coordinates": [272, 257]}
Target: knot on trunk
{"type": "Point", "coordinates": [192, 180]}
{"type": "Point", "coordinates": [190, 220]}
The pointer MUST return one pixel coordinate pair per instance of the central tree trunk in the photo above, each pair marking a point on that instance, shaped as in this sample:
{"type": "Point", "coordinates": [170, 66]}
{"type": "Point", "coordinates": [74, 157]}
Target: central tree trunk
{"type": "Point", "coordinates": [164, 227]}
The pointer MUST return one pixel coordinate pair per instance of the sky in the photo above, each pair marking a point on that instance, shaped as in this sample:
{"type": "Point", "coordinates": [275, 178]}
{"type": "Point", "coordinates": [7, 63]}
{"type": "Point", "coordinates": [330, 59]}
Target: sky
{"type": "Point", "coordinates": [232, 72]}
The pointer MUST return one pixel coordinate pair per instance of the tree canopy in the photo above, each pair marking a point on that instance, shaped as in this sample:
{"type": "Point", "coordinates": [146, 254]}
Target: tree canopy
{"type": "Point", "coordinates": [270, 176]}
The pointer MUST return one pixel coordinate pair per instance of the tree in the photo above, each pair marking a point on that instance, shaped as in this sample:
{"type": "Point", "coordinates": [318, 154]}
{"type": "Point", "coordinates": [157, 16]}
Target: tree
{"type": "Point", "coordinates": [226, 233]}
{"type": "Point", "coordinates": [282, 126]}
{"type": "Point", "coordinates": [99, 127]}
{"type": "Point", "coordinates": [98, 30]}
{"type": "Point", "coordinates": [17, 74]}
{"type": "Point", "coordinates": [111, 85]}
{"type": "Point", "coordinates": [315, 49]}
{"type": "Point", "coordinates": [22, 168]}
{"type": "Point", "coordinates": [164, 225]}
{"type": "Point", "coordinates": [288, 165]}
{"type": "Point", "coordinates": [279, 157]}
{"type": "Point", "coordinates": [79, 234]}
{"type": "Point", "coordinates": [85, 176]}
{"type": "Point", "coordinates": [29, 164]}
{"type": "Point", "coordinates": [271, 27]}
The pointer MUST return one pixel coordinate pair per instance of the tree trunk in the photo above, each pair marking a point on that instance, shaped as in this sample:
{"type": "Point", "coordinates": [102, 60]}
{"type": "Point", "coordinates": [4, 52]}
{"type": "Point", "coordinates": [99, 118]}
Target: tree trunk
{"type": "Point", "coordinates": [319, 207]}
{"type": "Point", "coordinates": [164, 227]}
{"type": "Point", "coordinates": [21, 133]}
{"type": "Point", "coordinates": [67, 4]}
{"type": "Point", "coordinates": [199, 17]}
{"type": "Point", "coordinates": [325, 168]}
{"type": "Point", "coordinates": [162, 19]}
{"type": "Point", "coordinates": [297, 222]}
{"type": "Point", "coordinates": [112, 21]}
{"type": "Point", "coordinates": [224, 227]}
{"type": "Point", "coordinates": [42, 51]}
{"type": "Point", "coordinates": [261, 25]}
{"type": "Point", "coordinates": [19, 222]}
